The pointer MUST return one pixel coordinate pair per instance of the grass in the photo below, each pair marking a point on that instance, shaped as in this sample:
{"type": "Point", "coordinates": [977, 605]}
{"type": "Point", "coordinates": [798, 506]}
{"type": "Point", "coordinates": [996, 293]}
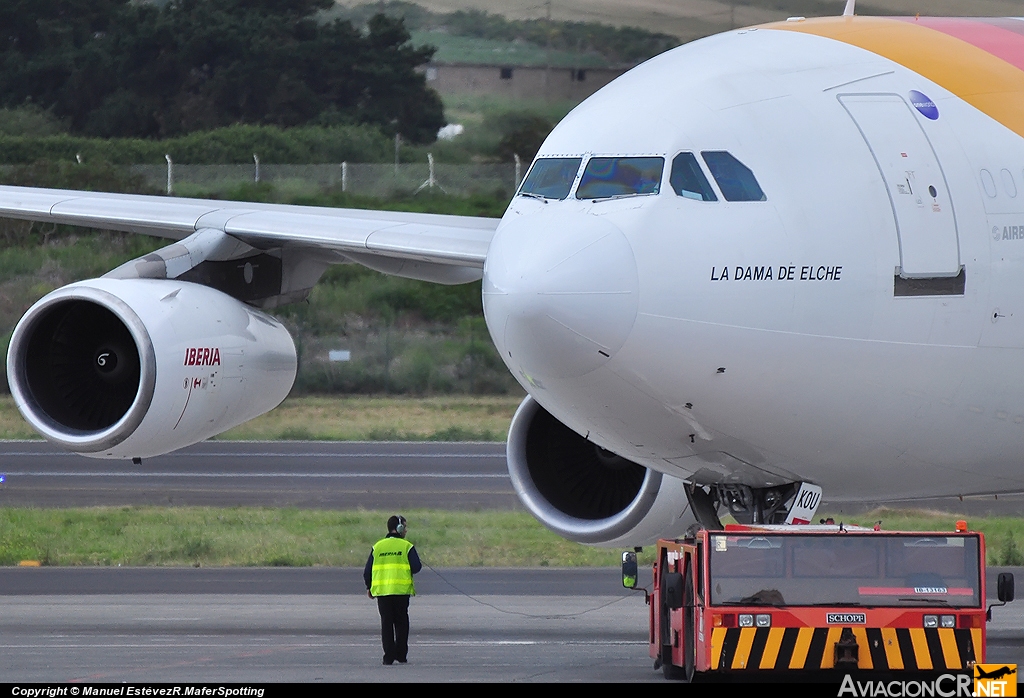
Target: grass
{"type": "Point", "coordinates": [12, 426]}
{"type": "Point", "coordinates": [67, 256]}
{"type": "Point", "coordinates": [455, 418]}
{"type": "Point", "coordinates": [249, 536]}
{"type": "Point", "coordinates": [1004, 535]}
{"type": "Point", "coordinates": [252, 536]}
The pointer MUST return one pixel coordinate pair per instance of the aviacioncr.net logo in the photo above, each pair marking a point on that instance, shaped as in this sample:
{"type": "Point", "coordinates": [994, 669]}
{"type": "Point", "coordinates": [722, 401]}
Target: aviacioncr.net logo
{"type": "Point", "coordinates": [943, 686]}
{"type": "Point", "coordinates": [995, 680]}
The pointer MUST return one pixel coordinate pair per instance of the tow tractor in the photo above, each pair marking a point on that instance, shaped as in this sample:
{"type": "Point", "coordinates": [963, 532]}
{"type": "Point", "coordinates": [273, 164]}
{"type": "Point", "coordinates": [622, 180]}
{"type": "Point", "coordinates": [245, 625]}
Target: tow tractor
{"type": "Point", "coordinates": [750, 600]}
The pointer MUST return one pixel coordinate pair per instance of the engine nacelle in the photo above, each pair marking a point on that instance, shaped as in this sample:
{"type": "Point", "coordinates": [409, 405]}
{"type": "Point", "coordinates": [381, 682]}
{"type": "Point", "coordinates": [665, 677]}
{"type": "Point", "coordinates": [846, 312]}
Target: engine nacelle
{"type": "Point", "coordinates": [587, 494]}
{"type": "Point", "coordinates": [123, 368]}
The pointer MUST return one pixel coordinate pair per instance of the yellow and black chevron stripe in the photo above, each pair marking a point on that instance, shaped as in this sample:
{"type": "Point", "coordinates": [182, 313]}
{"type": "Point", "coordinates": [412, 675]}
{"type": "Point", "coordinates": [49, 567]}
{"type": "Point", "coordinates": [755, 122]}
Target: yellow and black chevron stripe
{"type": "Point", "coordinates": [814, 648]}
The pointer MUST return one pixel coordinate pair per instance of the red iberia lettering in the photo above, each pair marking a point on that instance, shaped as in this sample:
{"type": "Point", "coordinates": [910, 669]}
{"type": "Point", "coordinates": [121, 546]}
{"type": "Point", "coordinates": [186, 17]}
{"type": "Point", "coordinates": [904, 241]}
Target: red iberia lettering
{"type": "Point", "coordinates": [202, 356]}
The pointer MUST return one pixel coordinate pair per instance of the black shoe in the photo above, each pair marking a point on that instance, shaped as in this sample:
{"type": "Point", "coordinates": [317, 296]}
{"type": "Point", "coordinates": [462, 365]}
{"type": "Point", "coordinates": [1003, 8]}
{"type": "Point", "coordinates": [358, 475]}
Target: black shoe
{"type": "Point", "coordinates": [403, 661]}
{"type": "Point", "coordinates": [388, 662]}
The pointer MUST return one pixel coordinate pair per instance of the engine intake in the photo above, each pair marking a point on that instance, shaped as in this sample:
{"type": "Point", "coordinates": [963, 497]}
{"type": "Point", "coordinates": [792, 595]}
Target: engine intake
{"type": "Point", "coordinates": [82, 366]}
{"type": "Point", "coordinates": [585, 493]}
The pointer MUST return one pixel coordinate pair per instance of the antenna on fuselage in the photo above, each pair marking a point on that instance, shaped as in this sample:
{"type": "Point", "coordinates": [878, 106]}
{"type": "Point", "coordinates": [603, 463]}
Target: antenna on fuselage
{"type": "Point", "coordinates": [848, 12]}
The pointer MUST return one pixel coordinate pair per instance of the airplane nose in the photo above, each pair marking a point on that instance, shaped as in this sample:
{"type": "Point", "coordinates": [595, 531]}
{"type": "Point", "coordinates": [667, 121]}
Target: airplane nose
{"type": "Point", "coordinates": [560, 293]}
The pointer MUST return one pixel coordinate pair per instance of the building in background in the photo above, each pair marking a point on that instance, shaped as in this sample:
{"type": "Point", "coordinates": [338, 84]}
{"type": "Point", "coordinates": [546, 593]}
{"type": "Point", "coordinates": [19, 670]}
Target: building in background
{"type": "Point", "coordinates": [520, 82]}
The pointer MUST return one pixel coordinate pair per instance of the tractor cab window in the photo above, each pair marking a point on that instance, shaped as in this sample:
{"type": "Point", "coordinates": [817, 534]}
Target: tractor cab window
{"type": "Point", "coordinates": [868, 569]}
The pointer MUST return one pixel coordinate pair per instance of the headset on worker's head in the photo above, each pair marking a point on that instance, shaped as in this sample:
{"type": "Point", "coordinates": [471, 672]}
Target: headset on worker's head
{"type": "Point", "coordinates": [400, 529]}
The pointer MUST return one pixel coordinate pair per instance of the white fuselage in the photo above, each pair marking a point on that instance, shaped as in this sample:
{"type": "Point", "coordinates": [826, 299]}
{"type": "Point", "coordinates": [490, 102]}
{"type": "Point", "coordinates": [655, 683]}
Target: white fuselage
{"type": "Point", "coordinates": [618, 317]}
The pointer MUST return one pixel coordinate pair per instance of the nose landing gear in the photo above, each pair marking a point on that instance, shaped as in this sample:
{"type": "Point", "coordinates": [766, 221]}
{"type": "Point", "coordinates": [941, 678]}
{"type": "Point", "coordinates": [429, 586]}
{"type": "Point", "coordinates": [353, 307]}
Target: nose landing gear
{"type": "Point", "coordinates": [754, 505]}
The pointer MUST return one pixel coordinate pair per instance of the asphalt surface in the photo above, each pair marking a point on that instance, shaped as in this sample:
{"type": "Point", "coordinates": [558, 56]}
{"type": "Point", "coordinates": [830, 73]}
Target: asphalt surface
{"type": "Point", "coordinates": [306, 625]}
{"type": "Point", "coordinates": [256, 626]}
{"type": "Point", "coordinates": [144, 638]}
{"type": "Point", "coordinates": [318, 475]}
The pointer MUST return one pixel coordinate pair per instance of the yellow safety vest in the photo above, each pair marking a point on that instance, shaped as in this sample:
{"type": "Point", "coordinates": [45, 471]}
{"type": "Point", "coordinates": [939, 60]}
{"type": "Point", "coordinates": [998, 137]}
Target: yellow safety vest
{"type": "Point", "coordinates": [391, 575]}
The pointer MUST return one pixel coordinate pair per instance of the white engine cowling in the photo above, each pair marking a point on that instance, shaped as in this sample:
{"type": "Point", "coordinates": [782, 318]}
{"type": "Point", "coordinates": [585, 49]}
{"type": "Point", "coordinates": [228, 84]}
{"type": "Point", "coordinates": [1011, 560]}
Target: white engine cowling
{"type": "Point", "coordinates": [124, 368]}
{"type": "Point", "coordinates": [587, 494]}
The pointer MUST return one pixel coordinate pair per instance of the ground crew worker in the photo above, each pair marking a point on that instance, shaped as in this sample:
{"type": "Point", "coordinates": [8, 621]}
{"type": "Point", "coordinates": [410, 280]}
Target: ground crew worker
{"type": "Point", "coordinates": [388, 576]}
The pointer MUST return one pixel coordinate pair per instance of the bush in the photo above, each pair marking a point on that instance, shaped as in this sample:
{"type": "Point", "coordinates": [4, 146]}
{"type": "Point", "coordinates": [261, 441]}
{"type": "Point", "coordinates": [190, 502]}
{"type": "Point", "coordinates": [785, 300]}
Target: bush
{"type": "Point", "coordinates": [88, 175]}
{"type": "Point", "coordinates": [523, 136]}
{"type": "Point", "coordinates": [29, 120]}
{"type": "Point", "coordinates": [229, 145]}
{"type": "Point", "coordinates": [1010, 553]}
{"type": "Point", "coordinates": [404, 360]}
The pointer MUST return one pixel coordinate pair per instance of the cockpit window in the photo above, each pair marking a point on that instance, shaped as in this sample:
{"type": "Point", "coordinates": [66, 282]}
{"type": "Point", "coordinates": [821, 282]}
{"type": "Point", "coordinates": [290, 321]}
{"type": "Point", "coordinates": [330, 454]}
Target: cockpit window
{"type": "Point", "coordinates": [551, 178]}
{"type": "Point", "coordinates": [607, 177]}
{"type": "Point", "coordinates": [734, 178]}
{"type": "Point", "coordinates": [687, 179]}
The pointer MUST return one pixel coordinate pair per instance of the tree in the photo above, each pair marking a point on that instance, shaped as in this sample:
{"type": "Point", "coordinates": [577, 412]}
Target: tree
{"type": "Point", "coordinates": [114, 68]}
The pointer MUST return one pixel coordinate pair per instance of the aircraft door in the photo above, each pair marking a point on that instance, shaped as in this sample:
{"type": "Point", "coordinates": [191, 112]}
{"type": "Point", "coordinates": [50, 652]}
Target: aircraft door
{"type": "Point", "coordinates": [920, 199]}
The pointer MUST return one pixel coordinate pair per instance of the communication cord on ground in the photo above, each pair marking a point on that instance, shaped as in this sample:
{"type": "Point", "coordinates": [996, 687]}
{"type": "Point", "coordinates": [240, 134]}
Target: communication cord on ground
{"type": "Point", "coordinates": [519, 613]}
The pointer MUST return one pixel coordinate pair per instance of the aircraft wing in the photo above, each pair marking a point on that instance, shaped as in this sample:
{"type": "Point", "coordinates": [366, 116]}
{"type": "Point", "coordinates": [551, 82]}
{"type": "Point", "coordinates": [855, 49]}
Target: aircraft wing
{"type": "Point", "coordinates": [452, 241]}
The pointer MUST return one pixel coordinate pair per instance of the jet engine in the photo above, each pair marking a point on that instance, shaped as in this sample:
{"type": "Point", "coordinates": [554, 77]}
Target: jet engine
{"type": "Point", "coordinates": [585, 493]}
{"type": "Point", "coordinates": [116, 368]}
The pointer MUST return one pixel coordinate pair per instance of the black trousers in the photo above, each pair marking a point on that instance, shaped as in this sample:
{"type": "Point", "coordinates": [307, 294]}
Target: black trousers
{"type": "Point", "coordinates": [394, 627]}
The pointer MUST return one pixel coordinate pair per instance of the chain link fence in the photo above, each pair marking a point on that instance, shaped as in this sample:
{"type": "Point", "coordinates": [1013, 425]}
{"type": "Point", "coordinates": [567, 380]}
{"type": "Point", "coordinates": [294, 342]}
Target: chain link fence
{"type": "Point", "coordinates": [366, 179]}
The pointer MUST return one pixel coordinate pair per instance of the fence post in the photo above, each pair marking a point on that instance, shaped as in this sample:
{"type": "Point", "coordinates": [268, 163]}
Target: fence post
{"type": "Point", "coordinates": [170, 175]}
{"type": "Point", "coordinates": [431, 180]}
{"type": "Point", "coordinates": [256, 158]}
{"type": "Point", "coordinates": [344, 176]}
{"type": "Point", "coordinates": [519, 169]}
{"type": "Point", "coordinates": [398, 142]}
